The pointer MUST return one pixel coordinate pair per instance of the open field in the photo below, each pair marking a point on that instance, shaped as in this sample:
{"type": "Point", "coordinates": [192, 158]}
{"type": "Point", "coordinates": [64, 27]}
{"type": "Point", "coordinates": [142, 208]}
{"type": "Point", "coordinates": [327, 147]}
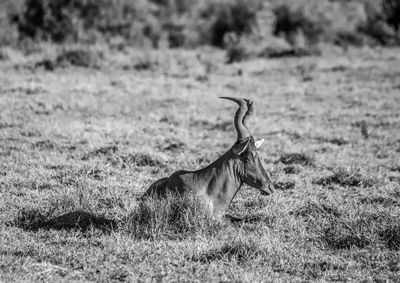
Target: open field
{"type": "Point", "coordinates": [78, 146]}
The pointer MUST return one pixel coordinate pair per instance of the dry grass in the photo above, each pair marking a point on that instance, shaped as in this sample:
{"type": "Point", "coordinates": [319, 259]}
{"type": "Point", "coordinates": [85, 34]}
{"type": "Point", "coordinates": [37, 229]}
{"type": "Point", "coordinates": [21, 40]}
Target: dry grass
{"type": "Point", "coordinates": [79, 146]}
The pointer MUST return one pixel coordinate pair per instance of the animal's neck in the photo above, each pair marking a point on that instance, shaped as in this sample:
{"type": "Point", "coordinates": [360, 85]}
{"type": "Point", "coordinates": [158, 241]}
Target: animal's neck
{"type": "Point", "coordinates": [220, 180]}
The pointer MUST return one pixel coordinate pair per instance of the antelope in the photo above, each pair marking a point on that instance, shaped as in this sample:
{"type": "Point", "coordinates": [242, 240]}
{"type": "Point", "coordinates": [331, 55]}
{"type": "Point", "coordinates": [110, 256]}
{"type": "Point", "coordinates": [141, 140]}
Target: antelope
{"type": "Point", "coordinates": [219, 182]}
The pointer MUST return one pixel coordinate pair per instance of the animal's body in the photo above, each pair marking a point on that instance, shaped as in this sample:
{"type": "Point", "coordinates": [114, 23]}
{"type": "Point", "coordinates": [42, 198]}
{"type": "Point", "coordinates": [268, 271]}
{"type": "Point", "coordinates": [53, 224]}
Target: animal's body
{"type": "Point", "coordinates": [219, 182]}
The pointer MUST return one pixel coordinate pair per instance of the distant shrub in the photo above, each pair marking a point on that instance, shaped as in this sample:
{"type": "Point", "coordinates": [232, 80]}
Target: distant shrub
{"type": "Point", "coordinates": [79, 58]}
{"type": "Point", "coordinates": [70, 20]}
{"type": "Point", "coordinates": [291, 52]}
{"type": "Point", "coordinates": [236, 53]}
{"type": "Point", "coordinates": [8, 32]}
{"type": "Point", "coordinates": [73, 20]}
{"type": "Point", "coordinates": [192, 23]}
{"type": "Point", "coordinates": [217, 18]}
{"type": "Point", "coordinates": [318, 20]}
{"type": "Point", "coordinates": [383, 20]}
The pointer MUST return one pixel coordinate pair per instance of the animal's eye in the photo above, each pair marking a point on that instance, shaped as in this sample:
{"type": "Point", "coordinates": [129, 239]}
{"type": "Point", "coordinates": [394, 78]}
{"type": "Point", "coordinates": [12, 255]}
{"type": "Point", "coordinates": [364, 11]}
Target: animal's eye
{"type": "Point", "coordinates": [251, 155]}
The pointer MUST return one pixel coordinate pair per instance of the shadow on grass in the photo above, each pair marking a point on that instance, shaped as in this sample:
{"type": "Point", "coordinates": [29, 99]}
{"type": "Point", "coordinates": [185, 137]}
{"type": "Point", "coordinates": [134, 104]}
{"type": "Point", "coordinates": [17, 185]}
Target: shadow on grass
{"type": "Point", "coordinates": [240, 250]}
{"type": "Point", "coordinates": [33, 220]}
{"type": "Point", "coordinates": [391, 237]}
{"type": "Point", "coordinates": [250, 219]}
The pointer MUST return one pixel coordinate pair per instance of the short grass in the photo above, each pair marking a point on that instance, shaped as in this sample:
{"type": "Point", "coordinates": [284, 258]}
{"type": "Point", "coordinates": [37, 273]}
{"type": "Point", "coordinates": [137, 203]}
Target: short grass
{"type": "Point", "coordinates": [79, 145]}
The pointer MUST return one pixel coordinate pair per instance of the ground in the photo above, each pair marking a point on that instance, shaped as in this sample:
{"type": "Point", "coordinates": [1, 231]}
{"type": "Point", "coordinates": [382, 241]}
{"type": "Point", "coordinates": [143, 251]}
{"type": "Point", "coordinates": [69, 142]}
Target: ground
{"type": "Point", "coordinates": [79, 145]}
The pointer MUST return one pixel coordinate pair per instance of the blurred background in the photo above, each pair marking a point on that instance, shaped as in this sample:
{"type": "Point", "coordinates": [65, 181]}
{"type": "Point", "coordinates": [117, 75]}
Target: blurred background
{"type": "Point", "coordinates": [242, 27]}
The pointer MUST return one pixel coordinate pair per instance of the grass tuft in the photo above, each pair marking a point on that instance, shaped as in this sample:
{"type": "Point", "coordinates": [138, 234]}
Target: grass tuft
{"type": "Point", "coordinates": [174, 217]}
{"type": "Point", "coordinates": [339, 230]}
{"type": "Point", "coordinates": [345, 235]}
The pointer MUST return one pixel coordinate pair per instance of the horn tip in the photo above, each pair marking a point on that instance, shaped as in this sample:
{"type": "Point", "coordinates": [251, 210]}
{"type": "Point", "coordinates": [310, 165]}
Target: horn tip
{"type": "Point", "coordinates": [240, 101]}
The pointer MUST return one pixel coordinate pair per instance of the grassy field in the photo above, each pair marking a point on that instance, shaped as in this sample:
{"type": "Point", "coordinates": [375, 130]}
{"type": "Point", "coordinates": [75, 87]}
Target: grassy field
{"type": "Point", "coordinates": [78, 146]}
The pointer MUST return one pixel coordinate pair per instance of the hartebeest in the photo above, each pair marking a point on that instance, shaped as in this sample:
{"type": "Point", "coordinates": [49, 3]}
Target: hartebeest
{"type": "Point", "coordinates": [219, 182]}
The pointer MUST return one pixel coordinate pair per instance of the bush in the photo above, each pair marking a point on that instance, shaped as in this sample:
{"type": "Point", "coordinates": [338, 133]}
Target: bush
{"type": "Point", "coordinates": [70, 20]}
{"type": "Point", "coordinates": [318, 20]}
{"type": "Point", "coordinates": [216, 19]}
{"type": "Point", "coordinates": [8, 32]}
{"type": "Point", "coordinates": [191, 23]}
{"type": "Point", "coordinates": [383, 21]}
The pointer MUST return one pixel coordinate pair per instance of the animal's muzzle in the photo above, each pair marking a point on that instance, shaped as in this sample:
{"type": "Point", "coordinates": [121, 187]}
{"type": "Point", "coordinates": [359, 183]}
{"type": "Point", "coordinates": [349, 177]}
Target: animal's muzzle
{"type": "Point", "coordinates": [269, 189]}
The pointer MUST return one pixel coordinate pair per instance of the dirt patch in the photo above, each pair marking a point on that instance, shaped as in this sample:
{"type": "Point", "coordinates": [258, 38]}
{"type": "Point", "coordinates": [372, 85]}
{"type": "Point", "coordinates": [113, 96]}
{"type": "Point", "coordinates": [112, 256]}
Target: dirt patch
{"type": "Point", "coordinates": [138, 159]}
{"type": "Point", "coordinates": [289, 52]}
{"type": "Point", "coordinates": [296, 158]}
{"type": "Point", "coordinates": [344, 178]}
{"type": "Point", "coordinates": [40, 186]}
{"type": "Point", "coordinates": [66, 179]}
{"type": "Point", "coordinates": [6, 125]}
{"type": "Point", "coordinates": [379, 200]}
{"type": "Point", "coordinates": [240, 251]}
{"type": "Point", "coordinates": [313, 209]}
{"type": "Point", "coordinates": [395, 168]}
{"type": "Point", "coordinates": [391, 237]}
{"type": "Point", "coordinates": [285, 186]}
{"type": "Point", "coordinates": [101, 152]}
{"type": "Point", "coordinates": [291, 169]}
{"type": "Point", "coordinates": [341, 236]}
{"type": "Point", "coordinates": [8, 150]}
{"type": "Point", "coordinates": [335, 141]}
{"type": "Point", "coordinates": [173, 145]}
{"type": "Point", "coordinates": [44, 145]}
{"type": "Point", "coordinates": [93, 173]}
{"type": "Point", "coordinates": [255, 219]}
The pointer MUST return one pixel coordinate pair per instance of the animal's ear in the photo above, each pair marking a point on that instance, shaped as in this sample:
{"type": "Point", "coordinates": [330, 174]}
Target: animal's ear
{"type": "Point", "coordinates": [259, 143]}
{"type": "Point", "coordinates": [239, 148]}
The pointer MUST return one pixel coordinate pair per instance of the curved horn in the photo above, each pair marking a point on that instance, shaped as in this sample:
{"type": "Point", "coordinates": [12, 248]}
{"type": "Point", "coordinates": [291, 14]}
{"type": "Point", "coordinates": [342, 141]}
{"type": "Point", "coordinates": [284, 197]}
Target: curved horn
{"type": "Point", "coordinates": [242, 131]}
{"type": "Point", "coordinates": [250, 111]}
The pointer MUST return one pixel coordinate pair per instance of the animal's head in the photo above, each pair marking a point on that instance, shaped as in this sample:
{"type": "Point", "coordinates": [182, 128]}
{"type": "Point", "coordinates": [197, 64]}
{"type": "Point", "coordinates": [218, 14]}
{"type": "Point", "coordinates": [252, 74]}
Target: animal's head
{"type": "Point", "coordinates": [245, 149]}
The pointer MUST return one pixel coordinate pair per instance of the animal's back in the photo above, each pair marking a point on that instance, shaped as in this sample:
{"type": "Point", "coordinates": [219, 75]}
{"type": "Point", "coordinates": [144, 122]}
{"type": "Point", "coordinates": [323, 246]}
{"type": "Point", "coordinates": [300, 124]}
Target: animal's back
{"type": "Point", "coordinates": [174, 184]}
{"type": "Point", "coordinates": [158, 188]}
